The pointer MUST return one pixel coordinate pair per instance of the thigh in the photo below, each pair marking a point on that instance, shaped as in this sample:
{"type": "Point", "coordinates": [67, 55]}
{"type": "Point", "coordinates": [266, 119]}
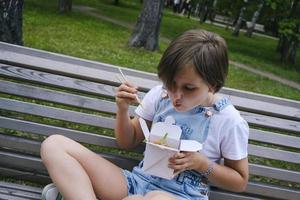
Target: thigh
{"type": "Point", "coordinates": [107, 179]}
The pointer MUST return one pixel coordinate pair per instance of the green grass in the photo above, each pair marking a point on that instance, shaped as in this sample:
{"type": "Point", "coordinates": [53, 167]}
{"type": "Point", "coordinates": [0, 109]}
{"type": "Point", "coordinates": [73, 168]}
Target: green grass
{"type": "Point", "coordinates": [259, 52]}
{"type": "Point", "coordinates": [84, 36]}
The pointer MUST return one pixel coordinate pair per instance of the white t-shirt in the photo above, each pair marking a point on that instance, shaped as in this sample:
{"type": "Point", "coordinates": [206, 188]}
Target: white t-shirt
{"type": "Point", "coordinates": [227, 134]}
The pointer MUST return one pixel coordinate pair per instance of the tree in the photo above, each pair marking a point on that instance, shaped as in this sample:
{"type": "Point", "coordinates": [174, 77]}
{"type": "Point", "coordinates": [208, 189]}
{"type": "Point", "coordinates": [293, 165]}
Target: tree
{"type": "Point", "coordinates": [255, 18]}
{"type": "Point", "coordinates": [11, 19]}
{"type": "Point", "coordinates": [64, 5]}
{"type": "Point", "coordinates": [289, 34]}
{"type": "Point", "coordinates": [206, 10]}
{"type": "Point", "coordinates": [239, 22]}
{"type": "Point", "coordinates": [146, 30]}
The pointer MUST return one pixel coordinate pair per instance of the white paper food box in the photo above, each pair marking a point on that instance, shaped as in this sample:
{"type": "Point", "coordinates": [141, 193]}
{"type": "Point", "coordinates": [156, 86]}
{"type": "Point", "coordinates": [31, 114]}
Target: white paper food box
{"type": "Point", "coordinates": [156, 156]}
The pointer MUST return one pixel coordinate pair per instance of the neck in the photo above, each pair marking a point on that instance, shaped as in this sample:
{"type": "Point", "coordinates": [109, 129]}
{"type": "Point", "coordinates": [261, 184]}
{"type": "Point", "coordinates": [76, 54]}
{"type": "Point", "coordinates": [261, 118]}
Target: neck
{"type": "Point", "coordinates": [211, 100]}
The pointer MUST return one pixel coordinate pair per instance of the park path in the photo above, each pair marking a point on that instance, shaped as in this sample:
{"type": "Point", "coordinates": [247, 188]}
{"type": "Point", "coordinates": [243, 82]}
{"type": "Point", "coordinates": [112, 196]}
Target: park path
{"type": "Point", "coordinates": [93, 12]}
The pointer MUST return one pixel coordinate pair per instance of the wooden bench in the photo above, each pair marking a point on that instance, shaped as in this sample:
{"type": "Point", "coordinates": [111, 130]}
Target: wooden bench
{"type": "Point", "coordinates": [43, 93]}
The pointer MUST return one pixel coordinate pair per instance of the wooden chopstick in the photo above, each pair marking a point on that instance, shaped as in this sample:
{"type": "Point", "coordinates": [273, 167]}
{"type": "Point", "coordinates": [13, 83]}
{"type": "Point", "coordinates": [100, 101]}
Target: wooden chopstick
{"type": "Point", "coordinates": [125, 80]}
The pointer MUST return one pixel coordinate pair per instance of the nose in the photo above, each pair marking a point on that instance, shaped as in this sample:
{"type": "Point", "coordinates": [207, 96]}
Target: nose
{"type": "Point", "coordinates": [177, 94]}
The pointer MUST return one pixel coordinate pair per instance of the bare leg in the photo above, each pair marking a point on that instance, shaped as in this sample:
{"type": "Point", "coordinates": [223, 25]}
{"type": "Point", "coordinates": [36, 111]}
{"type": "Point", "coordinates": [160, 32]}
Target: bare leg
{"type": "Point", "coordinates": [154, 195]}
{"type": "Point", "coordinates": [80, 173]}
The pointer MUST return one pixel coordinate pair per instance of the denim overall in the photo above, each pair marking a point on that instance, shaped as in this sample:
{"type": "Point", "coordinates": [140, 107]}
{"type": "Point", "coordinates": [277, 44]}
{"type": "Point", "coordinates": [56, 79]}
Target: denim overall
{"type": "Point", "coordinates": [188, 184]}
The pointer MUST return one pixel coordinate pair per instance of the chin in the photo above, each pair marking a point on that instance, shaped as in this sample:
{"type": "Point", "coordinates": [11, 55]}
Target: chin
{"type": "Point", "coordinates": [181, 109]}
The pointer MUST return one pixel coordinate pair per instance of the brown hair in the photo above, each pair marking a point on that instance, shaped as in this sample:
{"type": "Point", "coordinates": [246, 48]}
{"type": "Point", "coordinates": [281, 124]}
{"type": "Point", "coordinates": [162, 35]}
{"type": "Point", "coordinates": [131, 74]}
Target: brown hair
{"type": "Point", "coordinates": [206, 51]}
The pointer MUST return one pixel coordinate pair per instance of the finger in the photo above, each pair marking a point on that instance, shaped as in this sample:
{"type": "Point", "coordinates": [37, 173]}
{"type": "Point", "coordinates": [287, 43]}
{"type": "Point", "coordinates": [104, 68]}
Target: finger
{"type": "Point", "coordinates": [126, 95]}
{"type": "Point", "coordinates": [127, 88]}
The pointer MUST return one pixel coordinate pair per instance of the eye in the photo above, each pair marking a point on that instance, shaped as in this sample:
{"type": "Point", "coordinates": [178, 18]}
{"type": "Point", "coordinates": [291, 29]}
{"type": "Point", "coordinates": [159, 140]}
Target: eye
{"type": "Point", "coordinates": [189, 88]}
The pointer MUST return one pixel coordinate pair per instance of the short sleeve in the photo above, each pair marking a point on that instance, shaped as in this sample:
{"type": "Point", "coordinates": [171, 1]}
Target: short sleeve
{"type": "Point", "coordinates": [147, 110]}
{"type": "Point", "coordinates": [235, 144]}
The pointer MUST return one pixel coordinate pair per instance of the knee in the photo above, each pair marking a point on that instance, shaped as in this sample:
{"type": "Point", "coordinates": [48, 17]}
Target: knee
{"type": "Point", "coordinates": [50, 146]}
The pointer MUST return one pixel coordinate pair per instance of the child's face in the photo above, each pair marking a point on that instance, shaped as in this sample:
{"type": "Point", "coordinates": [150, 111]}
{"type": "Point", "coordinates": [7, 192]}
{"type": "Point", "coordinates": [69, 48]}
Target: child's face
{"type": "Point", "coordinates": [189, 90]}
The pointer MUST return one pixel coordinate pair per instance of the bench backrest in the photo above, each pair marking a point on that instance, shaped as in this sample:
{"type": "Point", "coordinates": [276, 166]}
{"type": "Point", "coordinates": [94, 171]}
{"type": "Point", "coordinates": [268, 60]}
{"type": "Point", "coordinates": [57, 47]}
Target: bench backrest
{"type": "Point", "coordinates": [44, 93]}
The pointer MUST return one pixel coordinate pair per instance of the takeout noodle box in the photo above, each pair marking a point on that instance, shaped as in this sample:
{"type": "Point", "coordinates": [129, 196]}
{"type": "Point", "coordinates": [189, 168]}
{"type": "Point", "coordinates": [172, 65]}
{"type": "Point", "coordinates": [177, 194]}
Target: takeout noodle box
{"type": "Point", "coordinates": [156, 156]}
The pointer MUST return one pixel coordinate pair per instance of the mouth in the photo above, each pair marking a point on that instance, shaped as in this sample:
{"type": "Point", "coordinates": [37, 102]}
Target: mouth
{"type": "Point", "coordinates": [176, 104]}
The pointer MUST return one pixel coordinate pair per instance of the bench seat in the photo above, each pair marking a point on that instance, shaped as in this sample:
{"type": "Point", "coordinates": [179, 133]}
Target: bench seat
{"type": "Point", "coordinates": [44, 93]}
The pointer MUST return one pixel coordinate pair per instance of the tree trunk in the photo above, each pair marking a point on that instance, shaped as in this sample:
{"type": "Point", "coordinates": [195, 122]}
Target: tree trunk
{"type": "Point", "coordinates": [284, 48]}
{"type": "Point", "coordinates": [64, 6]}
{"type": "Point", "coordinates": [293, 52]}
{"type": "Point", "coordinates": [146, 30]}
{"type": "Point", "coordinates": [254, 19]}
{"type": "Point", "coordinates": [11, 19]}
{"type": "Point", "coordinates": [287, 47]}
{"type": "Point", "coordinates": [238, 24]}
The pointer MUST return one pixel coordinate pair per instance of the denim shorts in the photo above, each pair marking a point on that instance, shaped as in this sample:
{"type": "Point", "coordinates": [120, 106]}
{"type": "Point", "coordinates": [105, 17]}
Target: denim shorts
{"type": "Point", "coordinates": [188, 185]}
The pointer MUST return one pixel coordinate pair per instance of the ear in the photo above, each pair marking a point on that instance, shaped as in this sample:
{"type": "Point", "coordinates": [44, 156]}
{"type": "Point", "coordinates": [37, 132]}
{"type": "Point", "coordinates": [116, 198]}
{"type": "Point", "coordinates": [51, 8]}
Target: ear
{"type": "Point", "coordinates": [211, 89]}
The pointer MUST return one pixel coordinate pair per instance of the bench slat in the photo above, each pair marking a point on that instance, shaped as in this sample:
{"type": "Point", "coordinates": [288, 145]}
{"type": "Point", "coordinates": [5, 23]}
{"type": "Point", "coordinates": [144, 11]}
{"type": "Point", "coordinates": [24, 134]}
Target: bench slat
{"type": "Point", "coordinates": [58, 81]}
{"type": "Point", "coordinates": [105, 122]}
{"type": "Point", "coordinates": [70, 70]}
{"type": "Point", "coordinates": [23, 145]}
{"type": "Point", "coordinates": [20, 144]}
{"type": "Point", "coordinates": [274, 138]}
{"type": "Point", "coordinates": [34, 164]}
{"type": "Point", "coordinates": [276, 173]}
{"type": "Point", "coordinates": [272, 191]}
{"type": "Point", "coordinates": [10, 197]}
{"type": "Point", "coordinates": [24, 175]}
{"type": "Point", "coordinates": [271, 122]}
{"type": "Point", "coordinates": [276, 154]}
{"type": "Point", "coordinates": [261, 97]}
{"type": "Point", "coordinates": [59, 97]}
{"type": "Point", "coordinates": [264, 108]}
{"type": "Point", "coordinates": [47, 130]}
{"type": "Point", "coordinates": [15, 191]}
{"type": "Point", "coordinates": [56, 113]}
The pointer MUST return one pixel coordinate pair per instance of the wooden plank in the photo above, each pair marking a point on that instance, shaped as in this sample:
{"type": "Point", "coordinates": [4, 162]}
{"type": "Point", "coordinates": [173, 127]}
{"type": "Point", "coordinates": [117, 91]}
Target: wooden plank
{"type": "Point", "coordinates": [74, 60]}
{"type": "Point", "coordinates": [20, 191]}
{"type": "Point", "coordinates": [9, 197]}
{"type": "Point", "coordinates": [58, 81]}
{"type": "Point", "coordinates": [272, 191]}
{"type": "Point", "coordinates": [261, 97]}
{"type": "Point", "coordinates": [8, 172]}
{"type": "Point", "coordinates": [70, 70]}
{"type": "Point", "coordinates": [276, 154]}
{"type": "Point", "coordinates": [106, 122]}
{"type": "Point", "coordinates": [276, 173]}
{"type": "Point", "coordinates": [57, 113]}
{"type": "Point", "coordinates": [59, 97]}
{"type": "Point", "coordinates": [216, 194]}
{"type": "Point", "coordinates": [34, 165]}
{"type": "Point", "coordinates": [274, 138]}
{"type": "Point", "coordinates": [19, 144]}
{"type": "Point", "coordinates": [47, 130]}
{"type": "Point", "coordinates": [271, 122]}
{"type": "Point", "coordinates": [261, 107]}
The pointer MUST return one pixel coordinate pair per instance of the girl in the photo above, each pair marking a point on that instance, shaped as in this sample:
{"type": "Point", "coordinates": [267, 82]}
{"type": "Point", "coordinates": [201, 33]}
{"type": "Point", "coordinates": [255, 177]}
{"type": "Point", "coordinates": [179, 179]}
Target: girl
{"type": "Point", "coordinates": [193, 69]}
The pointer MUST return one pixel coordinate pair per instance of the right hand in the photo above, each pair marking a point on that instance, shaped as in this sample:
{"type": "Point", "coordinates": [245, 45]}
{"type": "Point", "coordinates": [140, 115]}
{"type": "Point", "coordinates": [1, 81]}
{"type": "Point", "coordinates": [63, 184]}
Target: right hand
{"type": "Point", "coordinates": [125, 95]}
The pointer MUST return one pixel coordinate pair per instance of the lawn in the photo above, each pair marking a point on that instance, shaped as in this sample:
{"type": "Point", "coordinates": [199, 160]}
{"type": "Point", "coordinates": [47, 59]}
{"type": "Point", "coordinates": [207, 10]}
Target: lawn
{"type": "Point", "coordinates": [84, 36]}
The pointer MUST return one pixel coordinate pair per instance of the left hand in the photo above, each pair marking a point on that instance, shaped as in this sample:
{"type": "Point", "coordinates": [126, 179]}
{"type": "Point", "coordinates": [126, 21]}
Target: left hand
{"type": "Point", "coordinates": [182, 161]}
